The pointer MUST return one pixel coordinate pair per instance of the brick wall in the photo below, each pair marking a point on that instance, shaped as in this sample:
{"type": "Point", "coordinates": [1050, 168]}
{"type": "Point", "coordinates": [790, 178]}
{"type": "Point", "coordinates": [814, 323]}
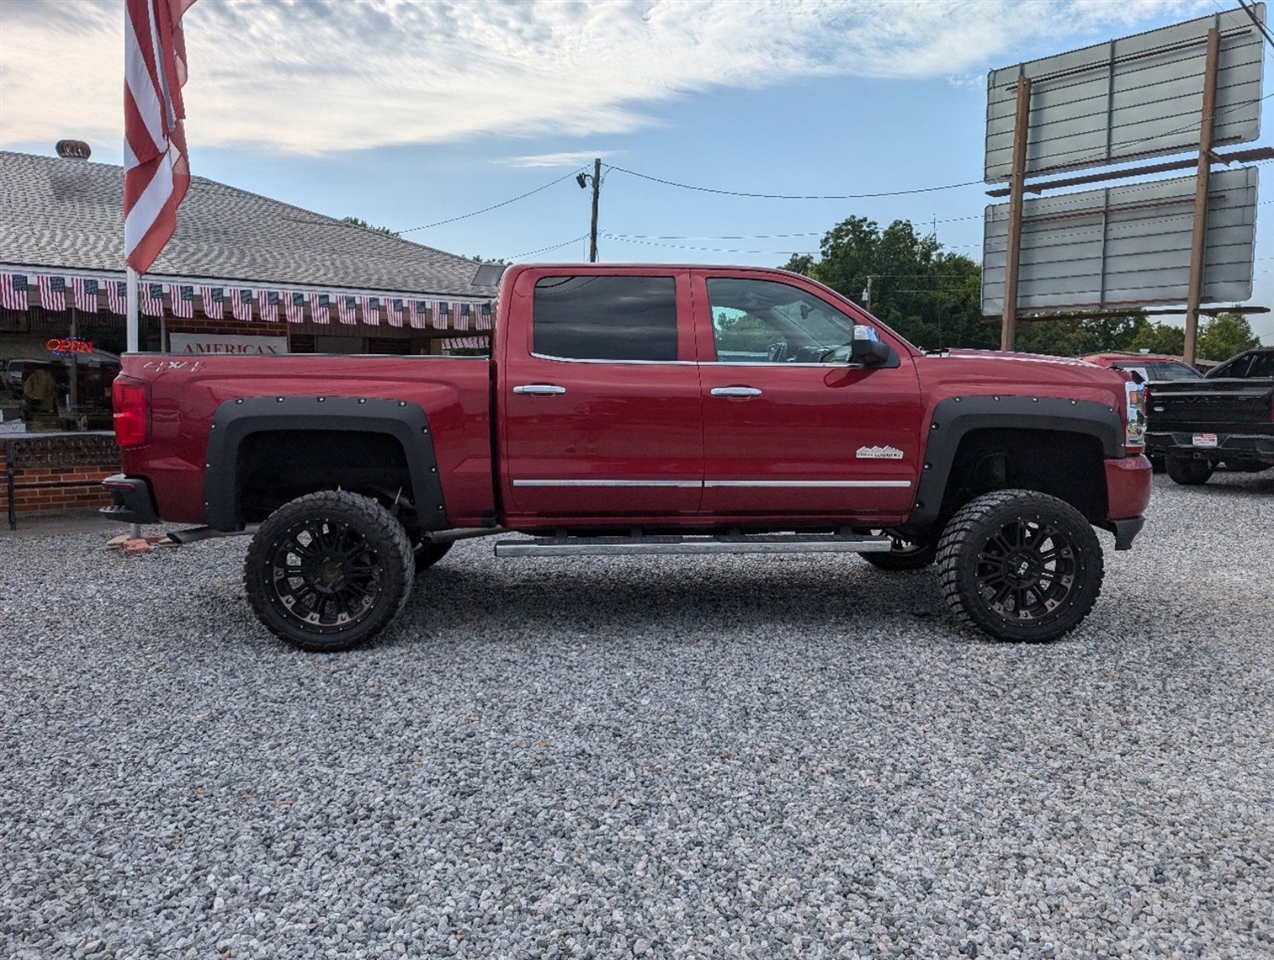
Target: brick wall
{"type": "Point", "coordinates": [58, 472]}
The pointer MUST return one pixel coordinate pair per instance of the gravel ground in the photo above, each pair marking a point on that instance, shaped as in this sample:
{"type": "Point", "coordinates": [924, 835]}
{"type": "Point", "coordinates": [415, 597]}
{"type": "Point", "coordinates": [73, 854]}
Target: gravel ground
{"type": "Point", "coordinates": [739, 757]}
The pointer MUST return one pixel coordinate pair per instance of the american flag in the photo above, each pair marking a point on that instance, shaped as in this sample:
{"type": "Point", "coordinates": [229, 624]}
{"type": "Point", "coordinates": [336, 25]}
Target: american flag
{"type": "Point", "coordinates": [461, 320]}
{"type": "Point", "coordinates": [13, 291]}
{"type": "Point", "coordinates": [294, 307]}
{"type": "Point", "coordinates": [84, 291]}
{"type": "Point", "coordinates": [52, 292]}
{"type": "Point", "coordinates": [214, 302]}
{"type": "Point", "coordinates": [268, 305]}
{"type": "Point", "coordinates": [241, 303]}
{"type": "Point", "coordinates": [484, 317]}
{"type": "Point", "coordinates": [345, 307]}
{"type": "Point", "coordinates": [420, 310]}
{"type": "Point", "coordinates": [156, 172]}
{"type": "Point", "coordinates": [117, 296]}
{"type": "Point", "coordinates": [371, 310]}
{"type": "Point", "coordinates": [151, 297]}
{"type": "Point", "coordinates": [442, 317]}
{"type": "Point", "coordinates": [182, 297]}
{"type": "Point", "coordinates": [394, 311]}
{"type": "Point", "coordinates": [320, 311]}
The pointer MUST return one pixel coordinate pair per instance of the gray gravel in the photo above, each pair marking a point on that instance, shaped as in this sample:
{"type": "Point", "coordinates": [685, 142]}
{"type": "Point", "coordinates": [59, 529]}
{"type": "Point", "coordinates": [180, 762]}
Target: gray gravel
{"type": "Point", "coordinates": [739, 757]}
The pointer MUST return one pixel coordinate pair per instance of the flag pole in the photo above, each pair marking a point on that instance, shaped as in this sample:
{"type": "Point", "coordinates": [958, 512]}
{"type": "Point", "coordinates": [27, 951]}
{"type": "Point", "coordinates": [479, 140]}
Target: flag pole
{"type": "Point", "coordinates": [135, 530]}
{"type": "Point", "coordinates": [132, 311]}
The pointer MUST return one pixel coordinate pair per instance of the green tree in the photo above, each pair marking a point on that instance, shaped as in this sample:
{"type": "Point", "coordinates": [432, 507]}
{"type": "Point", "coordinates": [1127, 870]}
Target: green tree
{"type": "Point", "coordinates": [1224, 335]}
{"type": "Point", "coordinates": [1160, 338]}
{"type": "Point", "coordinates": [360, 222]}
{"type": "Point", "coordinates": [930, 296]}
{"type": "Point", "coordinates": [1075, 337]}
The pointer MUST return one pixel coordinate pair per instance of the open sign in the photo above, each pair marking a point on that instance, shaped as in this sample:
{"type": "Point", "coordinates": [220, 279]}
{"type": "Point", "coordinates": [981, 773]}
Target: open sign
{"type": "Point", "coordinates": [68, 346]}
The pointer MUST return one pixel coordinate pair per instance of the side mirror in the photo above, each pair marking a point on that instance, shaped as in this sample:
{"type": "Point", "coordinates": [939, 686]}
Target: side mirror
{"type": "Point", "coordinates": [867, 349]}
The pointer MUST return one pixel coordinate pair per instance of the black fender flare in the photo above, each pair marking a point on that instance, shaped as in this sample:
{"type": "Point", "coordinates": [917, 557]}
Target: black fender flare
{"type": "Point", "coordinates": [956, 417]}
{"type": "Point", "coordinates": [238, 419]}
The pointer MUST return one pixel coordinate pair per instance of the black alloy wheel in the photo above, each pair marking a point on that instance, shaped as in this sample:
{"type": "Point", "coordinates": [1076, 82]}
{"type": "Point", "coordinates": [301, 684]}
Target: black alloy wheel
{"type": "Point", "coordinates": [1020, 565]}
{"type": "Point", "coordinates": [328, 570]}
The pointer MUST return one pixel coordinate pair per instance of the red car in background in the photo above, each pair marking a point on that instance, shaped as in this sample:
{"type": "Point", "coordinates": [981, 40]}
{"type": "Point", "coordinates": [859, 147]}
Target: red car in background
{"type": "Point", "coordinates": [1147, 366]}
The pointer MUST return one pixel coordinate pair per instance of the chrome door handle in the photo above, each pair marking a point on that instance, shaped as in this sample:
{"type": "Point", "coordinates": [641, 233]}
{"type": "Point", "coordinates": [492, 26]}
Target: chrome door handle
{"type": "Point", "coordinates": [540, 389]}
{"type": "Point", "coordinates": [735, 392]}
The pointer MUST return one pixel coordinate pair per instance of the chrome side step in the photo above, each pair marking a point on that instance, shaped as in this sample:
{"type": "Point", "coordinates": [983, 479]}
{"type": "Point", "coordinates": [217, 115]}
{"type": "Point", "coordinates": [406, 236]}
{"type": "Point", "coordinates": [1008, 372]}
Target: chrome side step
{"type": "Point", "coordinates": [649, 546]}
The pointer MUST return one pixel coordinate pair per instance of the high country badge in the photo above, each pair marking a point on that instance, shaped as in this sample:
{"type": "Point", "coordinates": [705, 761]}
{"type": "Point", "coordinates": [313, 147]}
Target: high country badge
{"type": "Point", "coordinates": [879, 453]}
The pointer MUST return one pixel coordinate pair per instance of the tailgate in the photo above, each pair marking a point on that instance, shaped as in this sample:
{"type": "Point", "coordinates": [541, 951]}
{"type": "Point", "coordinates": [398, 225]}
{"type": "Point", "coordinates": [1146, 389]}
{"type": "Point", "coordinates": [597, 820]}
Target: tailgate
{"type": "Point", "coordinates": [1187, 404]}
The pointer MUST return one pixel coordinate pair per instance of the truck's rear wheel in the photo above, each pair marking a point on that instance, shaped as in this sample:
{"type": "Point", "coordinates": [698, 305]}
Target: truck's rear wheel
{"type": "Point", "coordinates": [328, 570]}
{"type": "Point", "coordinates": [1188, 471]}
{"type": "Point", "coordinates": [1020, 565]}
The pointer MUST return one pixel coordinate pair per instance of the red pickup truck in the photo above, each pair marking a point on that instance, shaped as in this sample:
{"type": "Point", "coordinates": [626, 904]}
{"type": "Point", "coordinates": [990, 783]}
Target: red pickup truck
{"type": "Point", "coordinates": [643, 410]}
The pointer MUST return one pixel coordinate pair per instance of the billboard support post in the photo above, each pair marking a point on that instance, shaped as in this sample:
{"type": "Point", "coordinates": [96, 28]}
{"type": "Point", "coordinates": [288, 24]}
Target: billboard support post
{"type": "Point", "coordinates": [1198, 247]}
{"type": "Point", "coordinates": [1017, 189]}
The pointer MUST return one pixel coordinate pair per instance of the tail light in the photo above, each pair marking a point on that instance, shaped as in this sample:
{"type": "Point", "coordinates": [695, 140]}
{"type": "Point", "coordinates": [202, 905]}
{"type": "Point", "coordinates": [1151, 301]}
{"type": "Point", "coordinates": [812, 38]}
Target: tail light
{"type": "Point", "coordinates": [131, 400]}
{"type": "Point", "coordinates": [1135, 417]}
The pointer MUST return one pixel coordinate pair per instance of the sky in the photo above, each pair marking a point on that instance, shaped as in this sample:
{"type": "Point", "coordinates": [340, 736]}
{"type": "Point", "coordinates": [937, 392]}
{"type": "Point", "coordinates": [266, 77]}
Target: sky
{"type": "Point", "coordinates": [412, 115]}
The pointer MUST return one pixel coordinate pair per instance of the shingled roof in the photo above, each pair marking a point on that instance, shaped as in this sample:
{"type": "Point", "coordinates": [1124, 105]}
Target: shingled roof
{"type": "Point", "coordinates": [65, 215]}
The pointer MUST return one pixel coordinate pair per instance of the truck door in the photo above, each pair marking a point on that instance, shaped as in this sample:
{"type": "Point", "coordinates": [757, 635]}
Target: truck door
{"type": "Point", "coordinates": [788, 430]}
{"type": "Point", "coordinates": [599, 398]}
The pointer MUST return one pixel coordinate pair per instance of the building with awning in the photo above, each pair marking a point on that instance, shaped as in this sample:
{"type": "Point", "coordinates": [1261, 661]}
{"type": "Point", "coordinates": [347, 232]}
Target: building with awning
{"type": "Point", "coordinates": [242, 274]}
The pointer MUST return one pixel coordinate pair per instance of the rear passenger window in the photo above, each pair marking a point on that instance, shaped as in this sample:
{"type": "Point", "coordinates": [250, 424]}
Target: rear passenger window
{"type": "Point", "coordinates": [605, 318]}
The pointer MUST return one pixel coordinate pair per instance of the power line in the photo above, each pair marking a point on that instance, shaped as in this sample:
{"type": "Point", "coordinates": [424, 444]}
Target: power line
{"type": "Point", "coordinates": [496, 206]}
{"type": "Point", "coordinates": [556, 246]}
{"type": "Point", "coordinates": [783, 196]}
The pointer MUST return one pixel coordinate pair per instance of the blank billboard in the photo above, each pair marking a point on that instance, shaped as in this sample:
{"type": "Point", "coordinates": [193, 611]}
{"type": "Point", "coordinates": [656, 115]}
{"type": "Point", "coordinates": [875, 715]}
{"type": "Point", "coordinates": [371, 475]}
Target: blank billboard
{"type": "Point", "coordinates": [1138, 96]}
{"type": "Point", "coordinates": [1124, 245]}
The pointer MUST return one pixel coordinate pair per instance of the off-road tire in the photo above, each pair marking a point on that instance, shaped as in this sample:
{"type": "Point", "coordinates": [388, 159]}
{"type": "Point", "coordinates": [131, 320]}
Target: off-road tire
{"type": "Point", "coordinates": [1020, 565]}
{"type": "Point", "coordinates": [905, 555]}
{"type": "Point", "coordinates": [328, 570]}
{"type": "Point", "coordinates": [1188, 471]}
{"type": "Point", "coordinates": [427, 554]}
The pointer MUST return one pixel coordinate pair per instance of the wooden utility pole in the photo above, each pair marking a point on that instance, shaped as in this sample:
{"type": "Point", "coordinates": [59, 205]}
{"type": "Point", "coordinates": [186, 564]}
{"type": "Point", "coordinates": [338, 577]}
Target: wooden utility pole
{"type": "Point", "coordinates": [1017, 189]}
{"type": "Point", "coordinates": [1199, 239]}
{"type": "Point", "coordinates": [597, 186]}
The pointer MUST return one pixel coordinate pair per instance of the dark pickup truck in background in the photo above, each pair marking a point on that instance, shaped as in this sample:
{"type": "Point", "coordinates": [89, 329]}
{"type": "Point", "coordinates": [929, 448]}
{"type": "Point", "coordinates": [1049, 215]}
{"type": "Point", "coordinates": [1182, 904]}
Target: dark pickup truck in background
{"type": "Point", "coordinates": [1227, 417]}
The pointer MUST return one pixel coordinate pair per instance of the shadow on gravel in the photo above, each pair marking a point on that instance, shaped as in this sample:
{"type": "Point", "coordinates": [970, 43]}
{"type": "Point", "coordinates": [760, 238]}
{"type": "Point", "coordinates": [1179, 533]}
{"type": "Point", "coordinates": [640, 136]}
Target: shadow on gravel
{"type": "Point", "coordinates": [653, 596]}
{"type": "Point", "coordinates": [1241, 484]}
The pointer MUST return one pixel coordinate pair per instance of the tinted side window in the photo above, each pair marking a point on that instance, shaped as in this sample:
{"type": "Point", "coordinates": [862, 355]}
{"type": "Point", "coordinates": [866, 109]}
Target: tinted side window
{"type": "Point", "coordinates": [606, 318]}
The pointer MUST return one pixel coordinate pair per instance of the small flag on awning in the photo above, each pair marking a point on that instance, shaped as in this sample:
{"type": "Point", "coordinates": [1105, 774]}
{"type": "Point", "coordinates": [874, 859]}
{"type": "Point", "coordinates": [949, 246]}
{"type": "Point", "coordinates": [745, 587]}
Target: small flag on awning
{"type": "Point", "coordinates": [420, 310]}
{"type": "Point", "coordinates": [152, 299]}
{"type": "Point", "coordinates": [182, 297]}
{"type": "Point", "coordinates": [484, 316]}
{"type": "Point", "coordinates": [13, 291]}
{"type": "Point", "coordinates": [294, 307]}
{"type": "Point", "coordinates": [442, 319]}
{"type": "Point", "coordinates": [52, 292]}
{"type": "Point", "coordinates": [319, 308]}
{"type": "Point", "coordinates": [345, 309]}
{"type": "Point", "coordinates": [371, 310]}
{"type": "Point", "coordinates": [84, 291]}
{"type": "Point", "coordinates": [214, 302]}
{"type": "Point", "coordinates": [268, 305]}
{"type": "Point", "coordinates": [394, 311]}
{"type": "Point", "coordinates": [117, 297]}
{"type": "Point", "coordinates": [241, 304]}
{"type": "Point", "coordinates": [460, 321]}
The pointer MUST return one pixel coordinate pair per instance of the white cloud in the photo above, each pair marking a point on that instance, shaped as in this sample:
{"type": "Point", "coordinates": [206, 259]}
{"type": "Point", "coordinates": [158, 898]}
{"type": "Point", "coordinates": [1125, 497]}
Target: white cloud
{"type": "Point", "coordinates": [574, 158]}
{"type": "Point", "coordinates": [315, 76]}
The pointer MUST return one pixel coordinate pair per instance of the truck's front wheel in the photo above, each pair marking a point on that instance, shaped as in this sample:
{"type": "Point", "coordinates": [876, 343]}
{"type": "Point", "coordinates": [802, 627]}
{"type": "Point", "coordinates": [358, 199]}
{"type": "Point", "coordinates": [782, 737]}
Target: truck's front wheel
{"type": "Point", "coordinates": [328, 570]}
{"type": "Point", "coordinates": [1020, 565]}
